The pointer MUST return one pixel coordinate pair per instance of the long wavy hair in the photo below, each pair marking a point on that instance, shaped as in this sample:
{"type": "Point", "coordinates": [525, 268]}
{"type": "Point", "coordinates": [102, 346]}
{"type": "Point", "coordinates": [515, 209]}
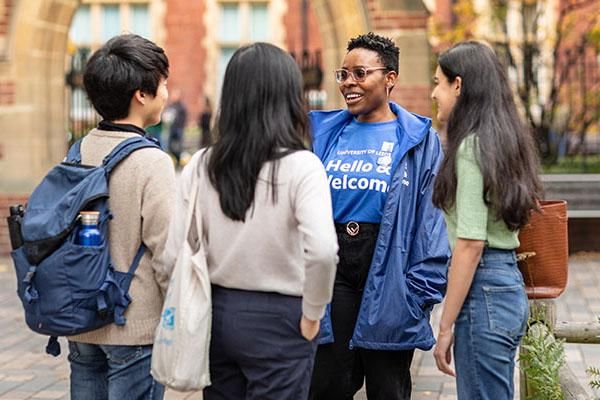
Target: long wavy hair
{"type": "Point", "coordinates": [261, 118]}
{"type": "Point", "coordinates": [505, 150]}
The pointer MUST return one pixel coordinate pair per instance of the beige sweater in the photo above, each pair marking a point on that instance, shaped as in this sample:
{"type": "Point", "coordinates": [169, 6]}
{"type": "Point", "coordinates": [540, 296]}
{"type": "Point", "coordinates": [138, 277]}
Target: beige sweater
{"type": "Point", "coordinates": [289, 247]}
{"type": "Point", "coordinates": [141, 192]}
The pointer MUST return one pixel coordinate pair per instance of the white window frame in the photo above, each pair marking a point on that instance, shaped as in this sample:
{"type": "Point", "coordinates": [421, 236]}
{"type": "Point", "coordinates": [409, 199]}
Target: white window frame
{"type": "Point", "coordinates": [244, 18]}
{"type": "Point", "coordinates": [96, 16]}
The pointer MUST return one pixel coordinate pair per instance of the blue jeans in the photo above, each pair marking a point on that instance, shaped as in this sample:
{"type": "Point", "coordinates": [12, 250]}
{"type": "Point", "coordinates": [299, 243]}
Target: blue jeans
{"type": "Point", "coordinates": [489, 328]}
{"type": "Point", "coordinates": [101, 372]}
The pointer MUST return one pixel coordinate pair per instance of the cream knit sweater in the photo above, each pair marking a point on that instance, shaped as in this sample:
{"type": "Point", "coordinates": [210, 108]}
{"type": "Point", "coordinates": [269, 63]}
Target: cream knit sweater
{"type": "Point", "coordinates": [288, 247]}
{"type": "Point", "coordinates": [141, 192]}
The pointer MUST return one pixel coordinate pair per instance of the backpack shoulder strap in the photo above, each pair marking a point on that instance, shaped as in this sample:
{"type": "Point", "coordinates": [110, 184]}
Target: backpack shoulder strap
{"type": "Point", "coordinates": [124, 149]}
{"type": "Point", "coordinates": [123, 287]}
{"type": "Point", "coordinates": [136, 260]}
{"type": "Point", "coordinates": [74, 153]}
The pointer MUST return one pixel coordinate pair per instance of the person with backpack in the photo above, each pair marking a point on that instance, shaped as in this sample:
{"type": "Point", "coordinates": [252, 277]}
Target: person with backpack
{"type": "Point", "coordinates": [267, 227]}
{"type": "Point", "coordinates": [126, 82]}
{"type": "Point", "coordinates": [487, 186]}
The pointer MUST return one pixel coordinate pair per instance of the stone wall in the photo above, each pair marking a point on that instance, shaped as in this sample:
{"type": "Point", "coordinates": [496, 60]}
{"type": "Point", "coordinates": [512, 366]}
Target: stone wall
{"type": "Point", "coordinates": [32, 94]}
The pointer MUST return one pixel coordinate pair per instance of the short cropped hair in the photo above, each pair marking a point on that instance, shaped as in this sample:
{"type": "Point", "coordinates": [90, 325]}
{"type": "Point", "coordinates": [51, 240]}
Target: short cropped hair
{"type": "Point", "coordinates": [124, 64]}
{"type": "Point", "coordinates": [388, 52]}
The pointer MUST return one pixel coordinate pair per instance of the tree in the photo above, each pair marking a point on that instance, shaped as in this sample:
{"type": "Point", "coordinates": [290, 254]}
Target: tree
{"type": "Point", "coordinates": [462, 27]}
{"type": "Point", "coordinates": [549, 48]}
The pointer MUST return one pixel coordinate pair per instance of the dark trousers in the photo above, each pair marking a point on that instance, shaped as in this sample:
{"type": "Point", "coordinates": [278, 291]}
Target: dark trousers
{"type": "Point", "coordinates": [256, 350]}
{"type": "Point", "coordinates": [339, 371]}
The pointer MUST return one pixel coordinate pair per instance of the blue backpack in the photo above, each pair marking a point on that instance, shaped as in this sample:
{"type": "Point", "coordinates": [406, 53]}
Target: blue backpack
{"type": "Point", "coordinates": [67, 289]}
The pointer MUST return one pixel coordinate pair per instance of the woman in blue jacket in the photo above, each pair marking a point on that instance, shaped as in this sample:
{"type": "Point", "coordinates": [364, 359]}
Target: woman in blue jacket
{"type": "Point", "coordinates": [487, 186]}
{"type": "Point", "coordinates": [381, 162]}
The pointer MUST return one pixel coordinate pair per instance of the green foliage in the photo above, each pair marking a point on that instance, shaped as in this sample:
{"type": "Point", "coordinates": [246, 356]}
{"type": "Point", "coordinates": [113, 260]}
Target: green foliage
{"type": "Point", "coordinates": [542, 358]}
{"type": "Point", "coordinates": [594, 35]}
{"type": "Point", "coordinates": [463, 28]}
{"type": "Point", "coordinates": [559, 51]}
{"type": "Point", "coordinates": [579, 164]}
{"type": "Point", "coordinates": [595, 377]}
{"type": "Point", "coordinates": [594, 374]}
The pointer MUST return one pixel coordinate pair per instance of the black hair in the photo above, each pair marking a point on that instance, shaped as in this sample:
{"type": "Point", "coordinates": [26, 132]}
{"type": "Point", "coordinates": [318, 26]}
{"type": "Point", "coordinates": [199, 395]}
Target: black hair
{"type": "Point", "coordinates": [385, 48]}
{"type": "Point", "coordinates": [505, 150]}
{"type": "Point", "coordinates": [124, 64]}
{"type": "Point", "coordinates": [261, 118]}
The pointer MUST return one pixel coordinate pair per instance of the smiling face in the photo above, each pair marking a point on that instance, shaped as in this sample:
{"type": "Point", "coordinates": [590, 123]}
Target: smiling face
{"type": "Point", "coordinates": [367, 100]}
{"type": "Point", "coordinates": [445, 94]}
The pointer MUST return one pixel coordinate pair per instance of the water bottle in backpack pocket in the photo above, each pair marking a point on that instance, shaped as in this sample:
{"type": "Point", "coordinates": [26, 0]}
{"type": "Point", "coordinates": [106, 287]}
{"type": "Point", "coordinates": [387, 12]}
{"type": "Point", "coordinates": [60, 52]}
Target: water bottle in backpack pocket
{"type": "Point", "coordinates": [89, 234]}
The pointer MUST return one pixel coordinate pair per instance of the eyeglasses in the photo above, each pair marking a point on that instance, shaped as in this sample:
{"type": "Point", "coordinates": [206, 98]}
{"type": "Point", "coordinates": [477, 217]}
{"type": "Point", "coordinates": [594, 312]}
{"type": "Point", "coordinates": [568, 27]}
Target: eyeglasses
{"type": "Point", "coordinates": [359, 74]}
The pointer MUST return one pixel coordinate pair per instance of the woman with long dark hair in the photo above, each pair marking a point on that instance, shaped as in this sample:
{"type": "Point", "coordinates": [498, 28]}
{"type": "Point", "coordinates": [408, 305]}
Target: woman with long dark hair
{"type": "Point", "coordinates": [268, 228]}
{"type": "Point", "coordinates": [487, 186]}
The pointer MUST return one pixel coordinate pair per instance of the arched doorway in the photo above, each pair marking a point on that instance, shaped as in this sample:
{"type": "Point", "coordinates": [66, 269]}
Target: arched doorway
{"type": "Point", "coordinates": [405, 21]}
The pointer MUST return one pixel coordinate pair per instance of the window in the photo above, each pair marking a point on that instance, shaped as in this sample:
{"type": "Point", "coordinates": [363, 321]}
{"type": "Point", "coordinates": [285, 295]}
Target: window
{"type": "Point", "coordinates": [139, 20]}
{"type": "Point", "coordinates": [240, 23]}
{"type": "Point", "coordinates": [97, 21]}
{"type": "Point", "coordinates": [80, 32]}
{"type": "Point", "coordinates": [224, 57]}
{"type": "Point", "coordinates": [259, 22]}
{"type": "Point", "coordinates": [230, 23]}
{"type": "Point", "coordinates": [111, 21]}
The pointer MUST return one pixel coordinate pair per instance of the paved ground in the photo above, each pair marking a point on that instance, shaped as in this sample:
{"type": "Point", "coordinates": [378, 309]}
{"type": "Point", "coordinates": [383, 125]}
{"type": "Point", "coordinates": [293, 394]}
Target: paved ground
{"type": "Point", "coordinates": [26, 372]}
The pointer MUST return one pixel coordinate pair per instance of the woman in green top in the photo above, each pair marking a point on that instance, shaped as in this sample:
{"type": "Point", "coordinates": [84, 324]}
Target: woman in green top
{"type": "Point", "coordinates": [487, 185]}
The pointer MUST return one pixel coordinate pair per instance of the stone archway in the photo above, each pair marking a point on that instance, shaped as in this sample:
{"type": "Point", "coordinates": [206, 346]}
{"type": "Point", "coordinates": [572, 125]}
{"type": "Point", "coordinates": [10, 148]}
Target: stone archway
{"type": "Point", "coordinates": [405, 21]}
{"type": "Point", "coordinates": [339, 20]}
{"type": "Point", "coordinates": [32, 118]}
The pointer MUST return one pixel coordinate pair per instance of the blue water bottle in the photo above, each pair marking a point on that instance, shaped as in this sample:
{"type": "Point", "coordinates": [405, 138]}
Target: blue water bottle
{"type": "Point", "coordinates": [89, 235]}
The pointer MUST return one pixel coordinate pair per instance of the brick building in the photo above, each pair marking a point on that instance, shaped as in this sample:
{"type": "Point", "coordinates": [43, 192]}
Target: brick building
{"type": "Point", "coordinates": [199, 35]}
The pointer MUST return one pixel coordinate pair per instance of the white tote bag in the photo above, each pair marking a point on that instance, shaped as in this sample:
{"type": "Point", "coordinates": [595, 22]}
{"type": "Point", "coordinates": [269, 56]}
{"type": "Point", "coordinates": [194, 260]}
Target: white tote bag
{"type": "Point", "coordinates": [181, 344]}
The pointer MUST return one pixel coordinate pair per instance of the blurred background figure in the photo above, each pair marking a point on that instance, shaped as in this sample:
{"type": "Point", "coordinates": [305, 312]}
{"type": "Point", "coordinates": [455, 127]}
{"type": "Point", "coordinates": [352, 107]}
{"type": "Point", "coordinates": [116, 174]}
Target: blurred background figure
{"type": "Point", "coordinates": [156, 132]}
{"type": "Point", "coordinates": [204, 123]}
{"type": "Point", "coordinates": [178, 115]}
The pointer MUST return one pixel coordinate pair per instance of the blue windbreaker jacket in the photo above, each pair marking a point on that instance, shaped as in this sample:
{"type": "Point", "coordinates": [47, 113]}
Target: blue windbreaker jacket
{"type": "Point", "coordinates": [408, 273]}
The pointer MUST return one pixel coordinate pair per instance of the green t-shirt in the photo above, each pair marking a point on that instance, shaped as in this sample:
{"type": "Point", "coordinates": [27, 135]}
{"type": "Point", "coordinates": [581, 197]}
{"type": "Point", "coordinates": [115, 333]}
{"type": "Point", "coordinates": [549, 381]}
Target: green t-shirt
{"type": "Point", "coordinates": [470, 218]}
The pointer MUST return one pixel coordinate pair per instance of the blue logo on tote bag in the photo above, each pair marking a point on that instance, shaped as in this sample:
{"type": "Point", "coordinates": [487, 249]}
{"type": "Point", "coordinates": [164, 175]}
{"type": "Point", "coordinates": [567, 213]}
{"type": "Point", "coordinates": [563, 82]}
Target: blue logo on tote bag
{"type": "Point", "coordinates": [168, 318]}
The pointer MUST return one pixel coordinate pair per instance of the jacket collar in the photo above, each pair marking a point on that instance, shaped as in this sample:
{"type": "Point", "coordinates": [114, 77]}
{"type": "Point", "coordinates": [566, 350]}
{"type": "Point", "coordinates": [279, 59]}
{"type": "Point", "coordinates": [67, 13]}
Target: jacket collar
{"type": "Point", "coordinates": [328, 125]}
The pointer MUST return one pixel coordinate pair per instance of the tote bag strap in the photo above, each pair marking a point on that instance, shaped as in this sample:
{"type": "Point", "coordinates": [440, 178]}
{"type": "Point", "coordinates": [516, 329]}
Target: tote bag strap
{"type": "Point", "coordinates": [192, 204]}
{"type": "Point", "coordinates": [195, 216]}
